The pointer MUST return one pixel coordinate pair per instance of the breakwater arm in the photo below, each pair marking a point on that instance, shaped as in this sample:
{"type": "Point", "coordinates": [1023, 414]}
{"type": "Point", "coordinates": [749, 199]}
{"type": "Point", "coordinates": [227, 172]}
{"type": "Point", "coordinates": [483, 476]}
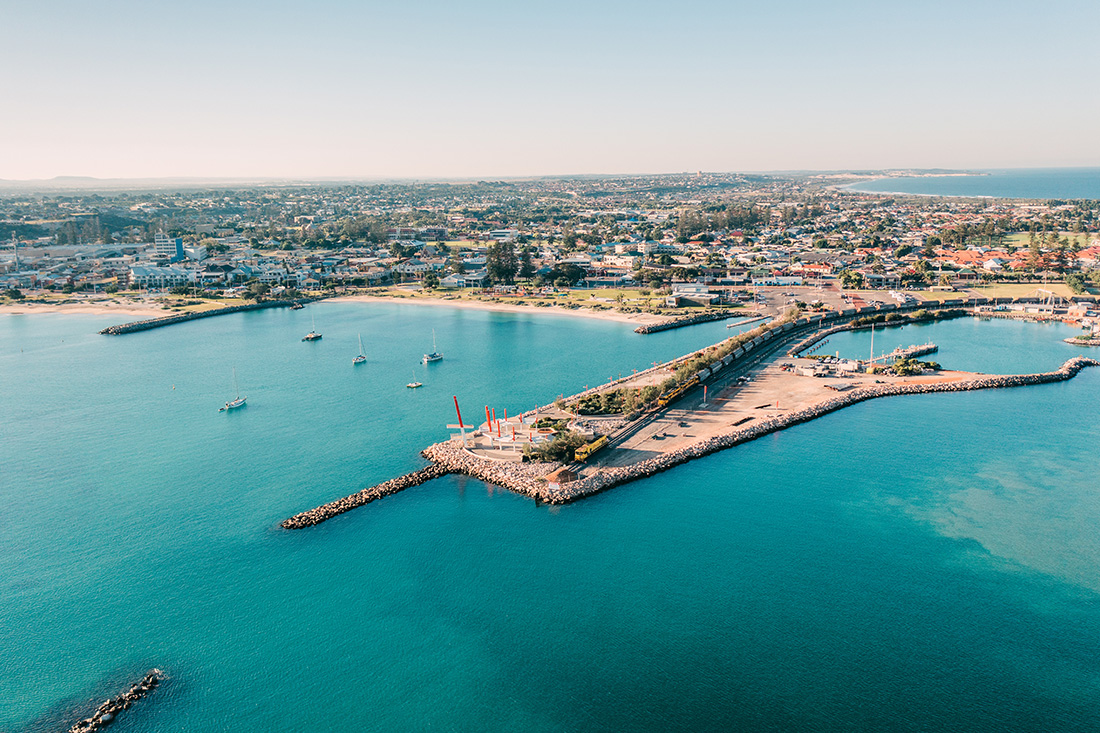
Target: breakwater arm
{"type": "Point", "coordinates": [151, 323]}
{"type": "Point", "coordinates": [690, 320]}
{"type": "Point", "coordinates": [366, 496]}
{"type": "Point", "coordinates": [106, 713]}
{"type": "Point", "coordinates": [610, 477]}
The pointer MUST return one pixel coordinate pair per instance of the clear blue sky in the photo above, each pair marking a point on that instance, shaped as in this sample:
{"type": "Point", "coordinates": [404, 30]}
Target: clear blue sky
{"type": "Point", "coordinates": [127, 88]}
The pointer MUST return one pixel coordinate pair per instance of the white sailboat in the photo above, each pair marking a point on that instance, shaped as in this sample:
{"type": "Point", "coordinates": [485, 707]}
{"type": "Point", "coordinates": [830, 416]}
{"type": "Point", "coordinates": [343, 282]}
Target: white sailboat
{"type": "Point", "coordinates": [239, 402]}
{"type": "Point", "coordinates": [414, 384]}
{"type": "Point", "coordinates": [312, 335]}
{"type": "Point", "coordinates": [435, 355]}
{"type": "Point", "coordinates": [359, 359]}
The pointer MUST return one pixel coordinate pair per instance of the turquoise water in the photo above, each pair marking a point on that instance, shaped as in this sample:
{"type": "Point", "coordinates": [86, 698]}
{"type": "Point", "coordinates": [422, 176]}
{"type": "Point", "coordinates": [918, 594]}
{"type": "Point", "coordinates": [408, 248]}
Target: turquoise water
{"type": "Point", "coordinates": [1025, 183]}
{"type": "Point", "coordinates": [923, 563]}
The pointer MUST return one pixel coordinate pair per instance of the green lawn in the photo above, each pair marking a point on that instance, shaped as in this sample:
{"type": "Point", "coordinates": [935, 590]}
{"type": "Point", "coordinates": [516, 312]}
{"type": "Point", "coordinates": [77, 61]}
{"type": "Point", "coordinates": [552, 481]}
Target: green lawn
{"type": "Point", "coordinates": [1023, 239]}
{"type": "Point", "coordinates": [1020, 290]}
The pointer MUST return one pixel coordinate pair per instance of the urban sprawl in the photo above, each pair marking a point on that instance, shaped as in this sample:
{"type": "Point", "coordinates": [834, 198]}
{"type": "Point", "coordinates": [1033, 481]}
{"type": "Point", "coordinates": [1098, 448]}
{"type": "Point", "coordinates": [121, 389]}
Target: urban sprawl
{"type": "Point", "coordinates": [642, 243]}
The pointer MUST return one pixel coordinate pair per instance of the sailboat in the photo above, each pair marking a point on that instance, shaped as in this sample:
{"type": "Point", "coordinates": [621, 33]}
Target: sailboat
{"type": "Point", "coordinates": [312, 335]}
{"type": "Point", "coordinates": [435, 355]}
{"type": "Point", "coordinates": [359, 359]}
{"type": "Point", "coordinates": [414, 384]}
{"type": "Point", "coordinates": [239, 402]}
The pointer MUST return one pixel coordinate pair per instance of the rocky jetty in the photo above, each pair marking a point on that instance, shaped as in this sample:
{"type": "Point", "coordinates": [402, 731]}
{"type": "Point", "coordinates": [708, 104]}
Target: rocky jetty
{"type": "Point", "coordinates": [106, 713]}
{"type": "Point", "coordinates": [610, 477]}
{"type": "Point", "coordinates": [1082, 342]}
{"type": "Point", "coordinates": [184, 317]}
{"type": "Point", "coordinates": [366, 496]}
{"type": "Point", "coordinates": [690, 320]}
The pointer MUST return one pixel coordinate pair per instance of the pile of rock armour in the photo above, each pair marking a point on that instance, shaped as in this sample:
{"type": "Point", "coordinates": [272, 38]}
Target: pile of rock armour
{"type": "Point", "coordinates": [106, 713]}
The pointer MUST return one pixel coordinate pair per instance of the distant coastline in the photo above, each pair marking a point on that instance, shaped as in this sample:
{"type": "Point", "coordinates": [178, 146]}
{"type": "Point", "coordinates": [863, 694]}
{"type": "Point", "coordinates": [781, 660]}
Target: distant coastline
{"type": "Point", "coordinates": [1026, 184]}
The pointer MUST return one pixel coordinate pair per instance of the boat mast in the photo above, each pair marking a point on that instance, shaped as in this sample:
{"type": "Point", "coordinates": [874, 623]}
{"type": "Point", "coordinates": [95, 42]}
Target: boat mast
{"type": "Point", "coordinates": [236, 388]}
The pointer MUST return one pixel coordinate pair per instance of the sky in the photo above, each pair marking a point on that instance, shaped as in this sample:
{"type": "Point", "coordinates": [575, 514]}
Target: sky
{"type": "Point", "coordinates": [492, 88]}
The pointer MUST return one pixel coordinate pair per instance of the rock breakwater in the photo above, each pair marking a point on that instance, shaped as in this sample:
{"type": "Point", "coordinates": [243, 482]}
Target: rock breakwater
{"type": "Point", "coordinates": [151, 323]}
{"type": "Point", "coordinates": [106, 713]}
{"type": "Point", "coordinates": [366, 496]}
{"type": "Point", "coordinates": [689, 320]}
{"type": "Point", "coordinates": [608, 478]}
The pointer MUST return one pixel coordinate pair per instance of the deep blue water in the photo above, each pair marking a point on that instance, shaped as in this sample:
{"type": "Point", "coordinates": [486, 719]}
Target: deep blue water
{"type": "Point", "coordinates": [919, 563]}
{"type": "Point", "coordinates": [1024, 183]}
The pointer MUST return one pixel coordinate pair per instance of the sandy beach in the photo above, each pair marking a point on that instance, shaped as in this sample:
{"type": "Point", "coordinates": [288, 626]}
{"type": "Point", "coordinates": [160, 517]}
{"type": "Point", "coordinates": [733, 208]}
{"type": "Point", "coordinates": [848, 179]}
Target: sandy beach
{"type": "Point", "coordinates": [608, 315]}
{"type": "Point", "coordinates": [91, 307]}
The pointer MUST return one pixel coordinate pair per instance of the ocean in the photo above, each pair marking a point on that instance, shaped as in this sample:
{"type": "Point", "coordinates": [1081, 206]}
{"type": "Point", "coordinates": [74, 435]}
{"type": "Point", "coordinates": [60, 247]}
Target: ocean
{"type": "Point", "coordinates": [916, 563]}
{"type": "Point", "coordinates": [1021, 183]}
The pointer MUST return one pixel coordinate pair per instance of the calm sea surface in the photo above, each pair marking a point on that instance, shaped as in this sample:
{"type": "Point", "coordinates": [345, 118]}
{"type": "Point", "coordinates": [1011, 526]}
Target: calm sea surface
{"type": "Point", "coordinates": [920, 563]}
{"type": "Point", "coordinates": [1027, 183]}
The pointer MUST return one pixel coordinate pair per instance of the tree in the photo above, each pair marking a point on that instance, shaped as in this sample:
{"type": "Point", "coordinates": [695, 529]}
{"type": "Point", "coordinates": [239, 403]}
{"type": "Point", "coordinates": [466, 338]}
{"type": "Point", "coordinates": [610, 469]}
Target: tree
{"type": "Point", "coordinates": [13, 293]}
{"type": "Point", "coordinates": [256, 290]}
{"type": "Point", "coordinates": [500, 263]}
{"type": "Point", "coordinates": [851, 280]}
{"type": "Point", "coordinates": [431, 281]}
{"type": "Point", "coordinates": [526, 266]}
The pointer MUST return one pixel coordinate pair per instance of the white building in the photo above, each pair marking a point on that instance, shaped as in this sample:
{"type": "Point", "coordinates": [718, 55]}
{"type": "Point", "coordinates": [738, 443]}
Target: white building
{"type": "Point", "coordinates": [161, 278]}
{"type": "Point", "coordinates": [169, 248]}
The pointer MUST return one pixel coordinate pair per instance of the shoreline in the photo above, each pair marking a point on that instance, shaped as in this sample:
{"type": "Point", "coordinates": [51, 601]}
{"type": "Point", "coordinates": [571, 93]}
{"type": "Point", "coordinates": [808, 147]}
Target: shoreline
{"type": "Point", "coordinates": [90, 308]}
{"type": "Point", "coordinates": [609, 315]}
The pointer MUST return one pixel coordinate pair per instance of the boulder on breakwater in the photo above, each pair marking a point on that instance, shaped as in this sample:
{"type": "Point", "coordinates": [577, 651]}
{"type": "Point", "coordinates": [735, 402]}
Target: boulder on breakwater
{"type": "Point", "coordinates": [366, 496]}
{"type": "Point", "coordinates": [107, 712]}
{"type": "Point", "coordinates": [184, 317]}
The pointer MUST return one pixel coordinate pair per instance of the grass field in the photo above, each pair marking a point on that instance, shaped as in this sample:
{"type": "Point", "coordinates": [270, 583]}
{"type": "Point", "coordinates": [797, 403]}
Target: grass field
{"type": "Point", "coordinates": [1022, 239]}
{"type": "Point", "coordinates": [1020, 290]}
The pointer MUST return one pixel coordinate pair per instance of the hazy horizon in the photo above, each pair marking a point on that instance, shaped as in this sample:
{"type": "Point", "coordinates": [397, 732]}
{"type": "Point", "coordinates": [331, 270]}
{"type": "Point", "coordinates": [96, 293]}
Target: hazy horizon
{"type": "Point", "coordinates": [427, 90]}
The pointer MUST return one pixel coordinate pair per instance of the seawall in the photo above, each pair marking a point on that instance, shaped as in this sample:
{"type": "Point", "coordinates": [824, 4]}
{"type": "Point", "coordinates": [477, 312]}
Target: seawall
{"type": "Point", "coordinates": [151, 323]}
